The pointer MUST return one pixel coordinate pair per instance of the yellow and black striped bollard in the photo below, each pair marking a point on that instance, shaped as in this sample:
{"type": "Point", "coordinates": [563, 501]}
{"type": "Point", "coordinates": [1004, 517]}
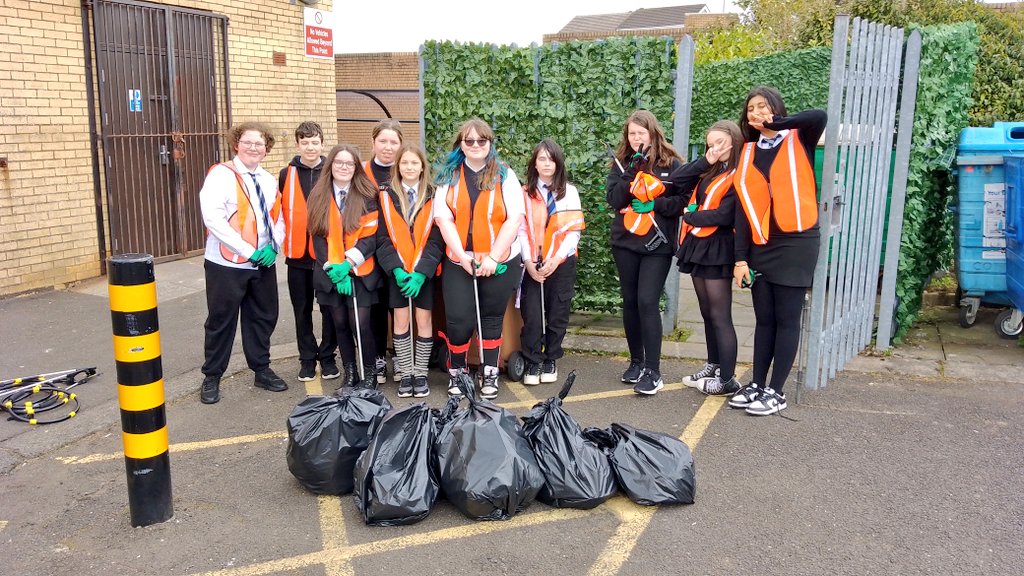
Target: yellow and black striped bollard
{"type": "Point", "coordinates": [140, 387]}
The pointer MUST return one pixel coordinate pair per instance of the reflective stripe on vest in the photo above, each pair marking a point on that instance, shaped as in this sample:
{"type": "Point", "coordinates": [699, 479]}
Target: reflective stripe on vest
{"type": "Point", "coordinates": [644, 188]}
{"type": "Point", "coordinates": [553, 228]}
{"type": "Point", "coordinates": [789, 195]}
{"type": "Point", "coordinates": [409, 244]}
{"type": "Point", "coordinates": [488, 216]}
{"type": "Point", "coordinates": [712, 199]}
{"type": "Point", "coordinates": [339, 241]}
{"type": "Point", "coordinates": [244, 219]}
{"type": "Point", "coordinates": [293, 203]}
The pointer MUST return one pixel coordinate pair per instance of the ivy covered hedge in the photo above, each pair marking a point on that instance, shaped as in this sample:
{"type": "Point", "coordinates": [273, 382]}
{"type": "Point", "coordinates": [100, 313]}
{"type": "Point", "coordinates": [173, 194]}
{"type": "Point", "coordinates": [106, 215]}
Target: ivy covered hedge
{"type": "Point", "coordinates": [949, 54]}
{"type": "Point", "coordinates": [578, 93]}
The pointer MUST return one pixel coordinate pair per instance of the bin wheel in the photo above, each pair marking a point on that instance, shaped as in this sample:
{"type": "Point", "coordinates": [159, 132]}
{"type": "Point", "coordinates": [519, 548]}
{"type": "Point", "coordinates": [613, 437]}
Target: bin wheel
{"type": "Point", "coordinates": [1009, 325]}
{"type": "Point", "coordinates": [439, 356]}
{"type": "Point", "coordinates": [968, 315]}
{"type": "Point", "coordinates": [515, 367]}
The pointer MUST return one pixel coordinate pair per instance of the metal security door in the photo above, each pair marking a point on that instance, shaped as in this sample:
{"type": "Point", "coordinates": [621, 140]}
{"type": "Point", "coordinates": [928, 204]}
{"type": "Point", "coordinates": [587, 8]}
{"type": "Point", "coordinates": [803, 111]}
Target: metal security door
{"type": "Point", "coordinates": [161, 112]}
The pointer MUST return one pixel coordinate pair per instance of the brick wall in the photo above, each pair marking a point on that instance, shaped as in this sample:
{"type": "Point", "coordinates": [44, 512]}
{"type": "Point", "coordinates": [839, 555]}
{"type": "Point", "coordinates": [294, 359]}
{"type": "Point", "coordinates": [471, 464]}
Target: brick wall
{"type": "Point", "coordinates": [391, 78]}
{"type": "Point", "coordinates": [48, 230]}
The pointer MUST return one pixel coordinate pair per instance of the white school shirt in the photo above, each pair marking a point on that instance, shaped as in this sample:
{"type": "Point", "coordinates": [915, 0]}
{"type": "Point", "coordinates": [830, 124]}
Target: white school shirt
{"type": "Point", "coordinates": [571, 201]}
{"type": "Point", "coordinates": [218, 201]}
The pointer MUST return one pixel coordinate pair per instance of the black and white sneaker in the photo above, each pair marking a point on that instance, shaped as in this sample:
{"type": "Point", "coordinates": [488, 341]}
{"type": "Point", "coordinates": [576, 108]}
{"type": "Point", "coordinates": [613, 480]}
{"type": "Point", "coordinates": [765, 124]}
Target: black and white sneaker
{"type": "Point", "coordinates": [307, 371]}
{"type": "Point", "coordinates": [489, 387]}
{"type": "Point", "coordinates": [548, 372]}
{"type": "Point", "coordinates": [745, 396]}
{"type": "Point", "coordinates": [420, 388]}
{"type": "Point", "coordinates": [633, 373]}
{"type": "Point", "coordinates": [767, 403]}
{"type": "Point", "coordinates": [532, 375]}
{"type": "Point", "coordinates": [396, 372]}
{"type": "Point", "coordinates": [405, 387]}
{"type": "Point", "coordinates": [453, 381]}
{"type": "Point", "coordinates": [715, 387]}
{"type": "Point", "coordinates": [328, 369]}
{"type": "Point", "coordinates": [696, 380]}
{"type": "Point", "coordinates": [381, 367]}
{"type": "Point", "coordinates": [649, 384]}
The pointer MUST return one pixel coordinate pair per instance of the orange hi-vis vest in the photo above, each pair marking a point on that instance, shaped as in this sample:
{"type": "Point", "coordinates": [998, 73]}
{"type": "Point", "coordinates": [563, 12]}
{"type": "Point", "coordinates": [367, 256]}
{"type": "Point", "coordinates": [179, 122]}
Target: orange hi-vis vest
{"type": "Point", "coordinates": [545, 233]}
{"type": "Point", "coordinates": [339, 241]}
{"type": "Point", "coordinates": [368, 170]}
{"type": "Point", "coordinates": [789, 194]}
{"type": "Point", "coordinates": [409, 244]}
{"type": "Point", "coordinates": [644, 188]}
{"type": "Point", "coordinates": [712, 198]}
{"type": "Point", "coordinates": [296, 239]}
{"type": "Point", "coordinates": [488, 216]}
{"type": "Point", "coordinates": [244, 218]}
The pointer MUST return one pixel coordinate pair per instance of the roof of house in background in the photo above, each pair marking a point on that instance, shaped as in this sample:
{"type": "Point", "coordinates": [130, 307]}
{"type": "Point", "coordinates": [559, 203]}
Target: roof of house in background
{"type": "Point", "coordinates": [642, 18]}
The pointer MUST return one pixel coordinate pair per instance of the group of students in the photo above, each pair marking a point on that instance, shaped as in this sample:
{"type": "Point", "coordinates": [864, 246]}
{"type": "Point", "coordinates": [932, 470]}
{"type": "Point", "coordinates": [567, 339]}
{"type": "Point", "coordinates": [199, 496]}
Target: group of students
{"type": "Point", "coordinates": [366, 239]}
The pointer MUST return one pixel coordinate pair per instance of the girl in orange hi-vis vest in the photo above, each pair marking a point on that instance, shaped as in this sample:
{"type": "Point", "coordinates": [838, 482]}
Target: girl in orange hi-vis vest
{"type": "Point", "coordinates": [549, 237]}
{"type": "Point", "coordinates": [647, 188]}
{"type": "Point", "coordinates": [410, 247]}
{"type": "Point", "coordinates": [479, 208]}
{"type": "Point", "coordinates": [706, 253]}
{"type": "Point", "coordinates": [343, 220]}
{"type": "Point", "coordinates": [777, 236]}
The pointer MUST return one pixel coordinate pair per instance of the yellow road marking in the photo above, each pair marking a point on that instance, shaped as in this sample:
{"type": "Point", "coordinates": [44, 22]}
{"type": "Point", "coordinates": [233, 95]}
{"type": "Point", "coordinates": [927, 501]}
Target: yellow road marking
{"type": "Point", "coordinates": [635, 518]}
{"type": "Point", "coordinates": [314, 387]}
{"type": "Point", "coordinates": [181, 447]}
{"type": "Point", "coordinates": [522, 394]}
{"type": "Point", "coordinates": [624, 391]}
{"type": "Point", "coordinates": [332, 530]}
{"type": "Point", "coordinates": [391, 544]}
{"type": "Point", "coordinates": [3, 524]}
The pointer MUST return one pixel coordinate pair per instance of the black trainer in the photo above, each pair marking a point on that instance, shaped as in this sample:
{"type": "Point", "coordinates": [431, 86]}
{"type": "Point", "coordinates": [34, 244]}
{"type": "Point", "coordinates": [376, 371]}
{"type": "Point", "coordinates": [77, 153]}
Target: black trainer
{"type": "Point", "coordinates": [714, 386]}
{"type": "Point", "coordinates": [632, 374]}
{"type": "Point", "coordinates": [268, 380]}
{"type": "Point", "coordinates": [210, 392]}
{"type": "Point", "coordinates": [548, 372]}
{"type": "Point", "coordinates": [405, 387]}
{"type": "Point", "coordinates": [307, 371]}
{"type": "Point", "coordinates": [532, 375]}
{"type": "Point", "coordinates": [420, 388]}
{"type": "Point", "coordinates": [329, 369]}
{"type": "Point", "coordinates": [649, 384]}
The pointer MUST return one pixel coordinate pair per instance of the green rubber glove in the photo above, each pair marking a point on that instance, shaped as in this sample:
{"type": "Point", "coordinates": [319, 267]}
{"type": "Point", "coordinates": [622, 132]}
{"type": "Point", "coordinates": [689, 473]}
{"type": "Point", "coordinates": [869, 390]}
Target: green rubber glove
{"type": "Point", "coordinates": [269, 256]}
{"type": "Point", "coordinates": [690, 208]}
{"type": "Point", "coordinates": [344, 286]}
{"type": "Point", "coordinates": [401, 276]}
{"type": "Point", "coordinates": [500, 269]}
{"type": "Point", "coordinates": [338, 272]}
{"type": "Point", "coordinates": [257, 256]}
{"type": "Point", "coordinates": [413, 285]}
{"type": "Point", "coordinates": [642, 207]}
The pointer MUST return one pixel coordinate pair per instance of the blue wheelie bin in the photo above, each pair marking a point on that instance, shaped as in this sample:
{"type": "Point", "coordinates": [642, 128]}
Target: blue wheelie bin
{"type": "Point", "coordinates": [981, 220]}
{"type": "Point", "coordinates": [1010, 323]}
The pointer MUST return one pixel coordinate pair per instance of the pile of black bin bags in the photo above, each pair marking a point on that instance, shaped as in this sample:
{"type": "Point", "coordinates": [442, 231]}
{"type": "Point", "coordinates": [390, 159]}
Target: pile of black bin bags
{"type": "Point", "coordinates": [397, 462]}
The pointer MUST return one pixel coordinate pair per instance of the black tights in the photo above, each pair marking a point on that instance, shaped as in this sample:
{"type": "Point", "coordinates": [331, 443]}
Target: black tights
{"type": "Point", "coordinates": [345, 326]}
{"type": "Point", "coordinates": [777, 332]}
{"type": "Point", "coordinates": [714, 296]}
{"type": "Point", "coordinates": [460, 309]}
{"type": "Point", "coordinates": [641, 281]}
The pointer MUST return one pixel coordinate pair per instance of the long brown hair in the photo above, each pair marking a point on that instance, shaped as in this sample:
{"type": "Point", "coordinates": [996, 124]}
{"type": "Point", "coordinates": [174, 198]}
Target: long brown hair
{"type": "Point", "coordinates": [533, 176]}
{"type": "Point", "coordinates": [661, 153]}
{"type": "Point", "coordinates": [424, 183]}
{"type": "Point", "coordinates": [360, 191]}
{"type": "Point", "coordinates": [733, 131]}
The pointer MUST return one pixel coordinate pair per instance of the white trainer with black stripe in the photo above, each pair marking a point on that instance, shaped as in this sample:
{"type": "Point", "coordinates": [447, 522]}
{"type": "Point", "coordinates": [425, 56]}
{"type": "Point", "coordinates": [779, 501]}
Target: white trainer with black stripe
{"type": "Point", "coordinates": [767, 403]}
{"type": "Point", "coordinates": [745, 396]}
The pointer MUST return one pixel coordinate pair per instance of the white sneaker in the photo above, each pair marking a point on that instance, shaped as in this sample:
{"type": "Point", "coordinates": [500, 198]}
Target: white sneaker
{"type": "Point", "coordinates": [532, 375]}
{"type": "Point", "coordinates": [768, 402]}
{"type": "Point", "coordinates": [696, 379]}
{"type": "Point", "coordinates": [548, 372]}
{"type": "Point", "coordinates": [745, 396]}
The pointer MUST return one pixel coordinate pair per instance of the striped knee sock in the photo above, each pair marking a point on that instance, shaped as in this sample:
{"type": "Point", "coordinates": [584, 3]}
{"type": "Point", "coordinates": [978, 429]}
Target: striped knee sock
{"type": "Point", "coordinates": [403, 351]}
{"type": "Point", "coordinates": [423, 348]}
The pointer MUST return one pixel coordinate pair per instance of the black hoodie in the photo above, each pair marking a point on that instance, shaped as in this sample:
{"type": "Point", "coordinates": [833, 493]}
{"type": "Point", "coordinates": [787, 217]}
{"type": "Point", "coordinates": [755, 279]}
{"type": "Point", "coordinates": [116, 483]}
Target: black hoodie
{"type": "Point", "coordinates": [307, 178]}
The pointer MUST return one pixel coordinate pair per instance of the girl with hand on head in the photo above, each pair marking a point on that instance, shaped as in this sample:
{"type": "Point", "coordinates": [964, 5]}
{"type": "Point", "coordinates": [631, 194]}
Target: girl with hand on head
{"type": "Point", "coordinates": [645, 188]}
{"type": "Point", "coordinates": [410, 246]}
{"type": "Point", "coordinates": [549, 237]}
{"type": "Point", "coordinates": [479, 209]}
{"type": "Point", "coordinates": [343, 221]}
{"type": "Point", "coordinates": [777, 236]}
{"type": "Point", "coordinates": [706, 253]}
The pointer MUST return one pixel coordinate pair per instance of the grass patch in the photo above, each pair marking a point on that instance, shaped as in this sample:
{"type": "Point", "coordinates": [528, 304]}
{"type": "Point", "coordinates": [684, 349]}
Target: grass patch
{"type": "Point", "coordinates": [679, 335]}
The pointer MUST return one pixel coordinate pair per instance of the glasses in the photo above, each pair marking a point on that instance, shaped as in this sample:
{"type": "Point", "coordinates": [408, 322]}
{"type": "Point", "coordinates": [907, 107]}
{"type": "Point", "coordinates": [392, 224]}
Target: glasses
{"type": "Point", "coordinates": [481, 142]}
{"type": "Point", "coordinates": [256, 145]}
{"type": "Point", "coordinates": [344, 164]}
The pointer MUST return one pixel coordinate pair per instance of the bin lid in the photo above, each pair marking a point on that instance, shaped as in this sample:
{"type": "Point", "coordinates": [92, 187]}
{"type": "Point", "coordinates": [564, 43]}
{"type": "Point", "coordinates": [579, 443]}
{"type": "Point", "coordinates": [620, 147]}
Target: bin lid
{"type": "Point", "coordinates": [1001, 136]}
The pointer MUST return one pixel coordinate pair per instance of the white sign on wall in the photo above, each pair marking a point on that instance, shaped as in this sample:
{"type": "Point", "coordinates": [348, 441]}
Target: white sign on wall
{"type": "Point", "coordinates": [318, 27]}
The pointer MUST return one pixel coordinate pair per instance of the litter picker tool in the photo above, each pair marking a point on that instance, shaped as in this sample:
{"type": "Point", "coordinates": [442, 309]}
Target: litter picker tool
{"type": "Point", "coordinates": [359, 335]}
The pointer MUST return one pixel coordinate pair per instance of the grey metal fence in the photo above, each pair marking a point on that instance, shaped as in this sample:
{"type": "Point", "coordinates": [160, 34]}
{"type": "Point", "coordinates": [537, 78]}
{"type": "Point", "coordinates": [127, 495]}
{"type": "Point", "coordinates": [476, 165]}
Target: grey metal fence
{"type": "Point", "coordinates": [863, 95]}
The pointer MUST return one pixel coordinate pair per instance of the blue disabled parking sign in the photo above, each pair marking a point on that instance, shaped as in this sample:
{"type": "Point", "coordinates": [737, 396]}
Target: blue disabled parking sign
{"type": "Point", "coordinates": [135, 100]}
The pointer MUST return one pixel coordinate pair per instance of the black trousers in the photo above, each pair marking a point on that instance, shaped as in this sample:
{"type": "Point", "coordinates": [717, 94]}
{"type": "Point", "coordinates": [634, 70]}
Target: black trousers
{"type": "Point", "coordinates": [234, 292]}
{"type": "Point", "coordinates": [379, 318]}
{"type": "Point", "coordinates": [460, 309]}
{"type": "Point", "coordinates": [777, 312]}
{"type": "Point", "coordinates": [540, 344]}
{"type": "Point", "coordinates": [641, 281]}
{"type": "Point", "coordinates": [300, 290]}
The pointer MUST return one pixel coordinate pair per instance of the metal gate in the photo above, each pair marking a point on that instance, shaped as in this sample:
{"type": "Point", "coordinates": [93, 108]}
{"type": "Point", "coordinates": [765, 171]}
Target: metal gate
{"type": "Point", "coordinates": [863, 93]}
{"type": "Point", "coordinates": [162, 80]}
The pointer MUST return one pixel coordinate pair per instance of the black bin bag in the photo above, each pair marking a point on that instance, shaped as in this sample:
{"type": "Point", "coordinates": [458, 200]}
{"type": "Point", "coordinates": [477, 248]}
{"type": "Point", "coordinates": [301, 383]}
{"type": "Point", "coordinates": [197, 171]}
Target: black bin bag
{"type": "Point", "coordinates": [577, 473]}
{"type": "Point", "coordinates": [651, 468]}
{"type": "Point", "coordinates": [487, 468]}
{"type": "Point", "coordinates": [396, 477]}
{"type": "Point", "coordinates": [326, 434]}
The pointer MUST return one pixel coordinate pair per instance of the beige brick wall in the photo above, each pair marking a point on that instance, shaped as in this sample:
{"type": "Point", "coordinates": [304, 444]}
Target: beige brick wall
{"type": "Point", "coordinates": [48, 230]}
{"type": "Point", "coordinates": [379, 73]}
